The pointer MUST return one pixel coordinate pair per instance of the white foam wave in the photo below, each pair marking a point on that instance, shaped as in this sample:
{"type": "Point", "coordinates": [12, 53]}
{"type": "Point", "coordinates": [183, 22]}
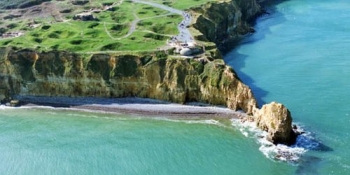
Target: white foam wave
{"type": "Point", "coordinates": [35, 107]}
{"type": "Point", "coordinates": [2, 107]}
{"type": "Point", "coordinates": [208, 121]}
{"type": "Point", "coordinates": [277, 152]}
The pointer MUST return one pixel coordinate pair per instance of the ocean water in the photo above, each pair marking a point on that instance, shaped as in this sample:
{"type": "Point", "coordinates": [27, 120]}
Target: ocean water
{"type": "Point", "coordinates": [56, 141]}
{"type": "Point", "coordinates": [298, 56]}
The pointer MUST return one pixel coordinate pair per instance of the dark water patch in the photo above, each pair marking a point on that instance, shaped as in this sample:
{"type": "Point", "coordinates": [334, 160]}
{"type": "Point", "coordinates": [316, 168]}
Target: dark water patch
{"type": "Point", "coordinates": [237, 60]}
{"type": "Point", "coordinates": [309, 164]}
{"type": "Point", "coordinates": [309, 142]}
{"type": "Point", "coordinates": [238, 65]}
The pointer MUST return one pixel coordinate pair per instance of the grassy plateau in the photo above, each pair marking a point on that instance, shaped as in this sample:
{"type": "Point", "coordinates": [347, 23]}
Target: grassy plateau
{"type": "Point", "coordinates": [115, 26]}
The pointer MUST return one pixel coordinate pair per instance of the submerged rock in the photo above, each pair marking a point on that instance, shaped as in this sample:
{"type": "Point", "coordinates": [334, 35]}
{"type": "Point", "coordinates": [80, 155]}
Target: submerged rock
{"type": "Point", "coordinates": [276, 119]}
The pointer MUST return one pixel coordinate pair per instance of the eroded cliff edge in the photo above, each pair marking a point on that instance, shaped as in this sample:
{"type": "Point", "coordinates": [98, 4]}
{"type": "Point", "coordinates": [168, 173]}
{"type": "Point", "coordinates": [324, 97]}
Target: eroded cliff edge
{"type": "Point", "coordinates": [225, 22]}
{"type": "Point", "coordinates": [58, 73]}
{"type": "Point", "coordinates": [148, 75]}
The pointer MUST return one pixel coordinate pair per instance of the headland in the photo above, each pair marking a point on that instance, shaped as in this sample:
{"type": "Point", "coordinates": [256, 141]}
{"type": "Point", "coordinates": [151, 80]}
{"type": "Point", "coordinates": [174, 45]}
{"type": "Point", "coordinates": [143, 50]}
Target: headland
{"type": "Point", "coordinates": [165, 50]}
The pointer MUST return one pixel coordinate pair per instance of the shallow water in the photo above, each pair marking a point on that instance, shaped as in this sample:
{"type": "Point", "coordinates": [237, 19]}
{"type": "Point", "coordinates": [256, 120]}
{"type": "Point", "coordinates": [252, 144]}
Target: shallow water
{"type": "Point", "coordinates": [298, 56]}
{"type": "Point", "coordinates": [52, 141]}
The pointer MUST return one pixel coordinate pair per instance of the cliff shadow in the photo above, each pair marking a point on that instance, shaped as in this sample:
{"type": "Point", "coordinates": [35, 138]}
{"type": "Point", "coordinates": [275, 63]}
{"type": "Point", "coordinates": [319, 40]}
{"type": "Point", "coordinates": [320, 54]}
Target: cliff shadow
{"type": "Point", "coordinates": [272, 17]}
{"type": "Point", "coordinates": [239, 63]}
{"type": "Point", "coordinates": [310, 162]}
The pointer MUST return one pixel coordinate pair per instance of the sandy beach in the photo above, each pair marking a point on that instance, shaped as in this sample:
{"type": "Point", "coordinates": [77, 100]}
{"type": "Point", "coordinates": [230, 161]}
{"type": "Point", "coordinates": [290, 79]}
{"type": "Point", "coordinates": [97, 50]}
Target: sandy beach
{"type": "Point", "coordinates": [133, 105]}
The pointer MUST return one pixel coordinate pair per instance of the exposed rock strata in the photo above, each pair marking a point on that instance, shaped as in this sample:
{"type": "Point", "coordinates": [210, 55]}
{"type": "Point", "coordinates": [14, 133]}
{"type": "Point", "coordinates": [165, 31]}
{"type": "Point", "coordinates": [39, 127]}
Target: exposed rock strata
{"type": "Point", "coordinates": [28, 72]}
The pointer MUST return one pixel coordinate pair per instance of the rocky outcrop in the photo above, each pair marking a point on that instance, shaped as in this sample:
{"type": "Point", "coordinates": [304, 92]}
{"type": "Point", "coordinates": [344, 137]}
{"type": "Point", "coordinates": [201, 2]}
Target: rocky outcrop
{"type": "Point", "coordinates": [149, 75]}
{"type": "Point", "coordinates": [224, 23]}
{"type": "Point", "coordinates": [275, 119]}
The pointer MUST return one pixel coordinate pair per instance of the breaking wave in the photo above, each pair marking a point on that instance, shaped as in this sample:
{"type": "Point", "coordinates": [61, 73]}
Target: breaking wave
{"type": "Point", "coordinates": [279, 152]}
{"type": "Point", "coordinates": [208, 121]}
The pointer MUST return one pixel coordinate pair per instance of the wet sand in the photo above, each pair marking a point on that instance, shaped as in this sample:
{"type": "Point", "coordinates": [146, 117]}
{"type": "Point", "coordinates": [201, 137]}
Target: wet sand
{"type": "Point", "coordinates": [139, 106]}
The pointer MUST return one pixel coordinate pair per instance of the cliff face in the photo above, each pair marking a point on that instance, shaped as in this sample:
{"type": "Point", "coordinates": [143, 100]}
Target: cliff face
{"type": "Point", "coordinates": [225, 22]}
{"type": "Point", "coordinates": [27, 72]}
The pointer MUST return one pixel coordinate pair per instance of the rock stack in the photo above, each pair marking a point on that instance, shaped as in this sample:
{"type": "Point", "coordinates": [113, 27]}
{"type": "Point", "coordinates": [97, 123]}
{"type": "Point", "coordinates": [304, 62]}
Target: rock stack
{"type": "Point", "coordinates": [276, 119]}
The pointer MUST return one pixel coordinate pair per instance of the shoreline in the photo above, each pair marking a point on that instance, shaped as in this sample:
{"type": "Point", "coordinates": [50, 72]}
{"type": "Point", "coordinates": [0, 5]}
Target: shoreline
{"type": "Point", "coordinates": [133, 106]}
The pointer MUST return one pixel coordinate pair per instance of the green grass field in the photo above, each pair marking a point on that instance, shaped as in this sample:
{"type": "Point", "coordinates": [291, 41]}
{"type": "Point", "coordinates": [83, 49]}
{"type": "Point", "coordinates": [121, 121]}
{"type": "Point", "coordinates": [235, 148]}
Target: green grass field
{"type": "Point", "coordinates": [109, 32]}
{"type": "Point", "coordinates": [182, 4]}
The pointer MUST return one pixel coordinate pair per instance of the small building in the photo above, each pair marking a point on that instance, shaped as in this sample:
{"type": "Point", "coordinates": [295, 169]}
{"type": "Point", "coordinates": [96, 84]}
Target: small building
{"type": "Point", "coordinates": [12, 34]}
{"type": "Point", "coordinates": [186, 51]}
{"type": "Point", "coordinates": [87, 16]}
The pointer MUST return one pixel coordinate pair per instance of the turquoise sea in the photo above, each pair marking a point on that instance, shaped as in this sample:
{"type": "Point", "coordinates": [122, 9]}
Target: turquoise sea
{"type": "Point", "coordinates": [298, 56]}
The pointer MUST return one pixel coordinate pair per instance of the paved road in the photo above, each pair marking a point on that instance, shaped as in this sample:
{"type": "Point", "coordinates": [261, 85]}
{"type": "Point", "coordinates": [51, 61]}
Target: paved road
{"type": "Point", "coordinates": [184, 34]}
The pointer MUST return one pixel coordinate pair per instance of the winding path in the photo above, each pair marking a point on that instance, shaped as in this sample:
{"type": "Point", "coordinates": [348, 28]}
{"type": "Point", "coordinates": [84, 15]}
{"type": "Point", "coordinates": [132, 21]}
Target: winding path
{"type": "Point", "coordinates": [184, 34]}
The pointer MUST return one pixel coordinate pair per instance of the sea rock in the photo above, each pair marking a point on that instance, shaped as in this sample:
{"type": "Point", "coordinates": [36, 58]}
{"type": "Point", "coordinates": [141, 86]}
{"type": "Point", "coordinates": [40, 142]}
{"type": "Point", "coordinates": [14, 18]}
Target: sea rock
{"type": "Point", "coordinates": [276, 119]}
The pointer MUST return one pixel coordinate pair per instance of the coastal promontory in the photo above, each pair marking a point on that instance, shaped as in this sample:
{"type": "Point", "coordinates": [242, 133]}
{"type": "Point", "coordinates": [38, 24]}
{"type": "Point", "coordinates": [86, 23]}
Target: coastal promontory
{"type": "Point", "coordinates": [150, 49]}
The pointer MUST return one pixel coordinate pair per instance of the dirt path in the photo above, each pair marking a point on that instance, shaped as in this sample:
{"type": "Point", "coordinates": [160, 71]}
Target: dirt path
{"type": "Point", "coordinates": [184, 34]}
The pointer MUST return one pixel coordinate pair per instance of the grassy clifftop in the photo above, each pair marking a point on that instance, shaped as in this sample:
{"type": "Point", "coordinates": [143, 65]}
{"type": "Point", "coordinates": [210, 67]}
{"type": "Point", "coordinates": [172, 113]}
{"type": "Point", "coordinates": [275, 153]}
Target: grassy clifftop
{"type": "Point", "coordinates": [114, 25]}
{"type": "Point", "coordinates": [53, 67]}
